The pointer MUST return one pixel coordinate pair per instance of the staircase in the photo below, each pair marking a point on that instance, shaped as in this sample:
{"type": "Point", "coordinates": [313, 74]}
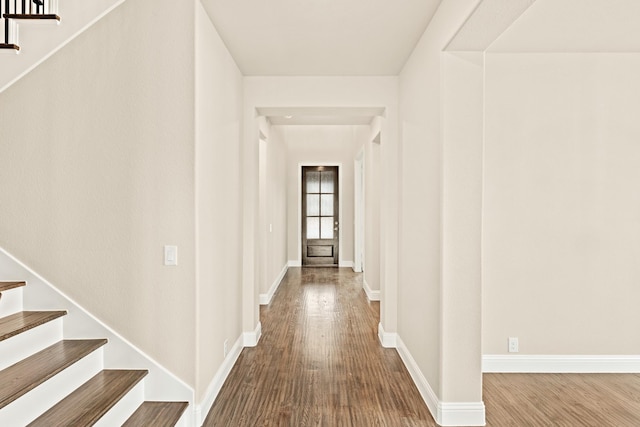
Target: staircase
{"type": "Point", "coordinates": [46, 380]}
{"type": "Point", "coordinates": [14, 11]}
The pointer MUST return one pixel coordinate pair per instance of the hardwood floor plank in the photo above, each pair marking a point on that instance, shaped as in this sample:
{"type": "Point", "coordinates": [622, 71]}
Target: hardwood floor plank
{"type": "Point", "coordinates": [586, 400]}
{"type": "Point", "coordinates": [20, 378]}
{"type": "Point", "coordinates": [86, 405]}
{"type": "Point", "coordinates": [319, 362]}
{"type": "Point", "coordinates": [23, 321]}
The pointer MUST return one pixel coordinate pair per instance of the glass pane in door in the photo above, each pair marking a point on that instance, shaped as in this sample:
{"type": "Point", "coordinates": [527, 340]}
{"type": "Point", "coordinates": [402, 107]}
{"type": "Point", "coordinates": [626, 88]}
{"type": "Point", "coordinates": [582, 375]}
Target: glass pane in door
{"type": "Point", "coordinates": [313, 228]}
{"type": "Point", "coordinates": [326, 227]}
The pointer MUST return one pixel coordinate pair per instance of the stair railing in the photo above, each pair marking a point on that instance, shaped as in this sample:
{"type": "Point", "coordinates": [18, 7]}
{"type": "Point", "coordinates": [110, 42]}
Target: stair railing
{"type": "Point", "coordinates": [12, 10]}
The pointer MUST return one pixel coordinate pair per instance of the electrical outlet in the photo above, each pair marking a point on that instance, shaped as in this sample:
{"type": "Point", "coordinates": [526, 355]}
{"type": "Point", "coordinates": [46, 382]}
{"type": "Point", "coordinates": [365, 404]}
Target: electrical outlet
{"type": "Point", "coordinates": [226, 349]}
{"type": "Point", "coordinates": [513, 344]}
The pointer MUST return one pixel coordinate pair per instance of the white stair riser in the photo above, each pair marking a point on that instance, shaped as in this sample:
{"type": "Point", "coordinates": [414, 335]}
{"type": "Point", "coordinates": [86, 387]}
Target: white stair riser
{"type": "Point", "coordinates": [185, 420]}
{"type": "Point", "coordinates": [33, 404]}
{"type": "Point", "coordinates": [11, 302]}
{"type": "Point", "coordinates": [124, 408]}
{"type": "Point", "coordinates": [18, 347]}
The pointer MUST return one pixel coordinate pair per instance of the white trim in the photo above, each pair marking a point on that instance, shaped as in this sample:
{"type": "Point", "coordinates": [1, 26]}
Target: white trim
{"type": "Point", "coordinates": [371, 294]}
{"type": "Point", "coordinates": [347, 264]}
{"type": "Point", "coordinates": [561, 363]}
{"type": "Point", "coordinates": [427, 393]}
{"type": "Point", "coordinates": [461, 414]}
{"type": "Point", "coordinates": [265, 299]}
{"type": "Point", "coordinates": [387, 339]}
{"type": "Point", "coordinates": [299, 207]}
{"type": "Point", "coordinates": [444, 413]}
{"type": "Point", "coordinates": [295, 263]}
{"type": "Point", "coordinates": [79, 323]}
{"type": "Point", "coordinates": [202, 409]}
{"type": "Point", "coordinates": [250, 339]}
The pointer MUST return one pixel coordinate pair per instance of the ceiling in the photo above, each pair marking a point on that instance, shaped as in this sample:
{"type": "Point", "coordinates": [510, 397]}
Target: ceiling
{"type": "Point", "coordinates": [320, 37]}
{"type": "Point", "coordinates": [574, 26]}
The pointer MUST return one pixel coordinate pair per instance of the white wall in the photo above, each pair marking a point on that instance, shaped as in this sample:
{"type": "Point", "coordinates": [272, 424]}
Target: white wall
{"type": "Point", "coordinates": [420, 293]}
{"type": "Point", "coordinates": [274, 230]}
{"type": "Point", "coordinates": [372, 173]}
{"type": "Point", "coordinates": [561, 205]}
{"type": "Point", "coordinates": [97, 174]}
{"type": "Point", "coordinates": [322, 145]}
{"type": "Point", "coordinates": [218, 202]}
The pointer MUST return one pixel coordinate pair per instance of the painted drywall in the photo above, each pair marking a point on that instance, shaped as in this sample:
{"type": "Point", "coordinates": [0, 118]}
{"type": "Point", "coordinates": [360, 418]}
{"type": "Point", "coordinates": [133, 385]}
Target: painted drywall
{"type": "Point", "coordinates": [372, 175]}
{"type": "Point", "coordinates": [273, 195]}
{"type": "Point", "coordinates": [97, 174]}
{"type": "Point", "coordinates": [320, 145]}
{"type": "Point", "coordinates": [218, 201]}
{"type": "Point", "coordinates": [420, 293]}
{"type": "Point", "coordinates": [561, 232]}
{"type": "Point", "coordinates": [462, 131]}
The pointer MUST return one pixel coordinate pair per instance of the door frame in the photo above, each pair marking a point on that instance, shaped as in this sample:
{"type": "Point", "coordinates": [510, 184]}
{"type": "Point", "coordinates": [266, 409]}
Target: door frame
{"type": "Point", "coordinates": [299, 207]}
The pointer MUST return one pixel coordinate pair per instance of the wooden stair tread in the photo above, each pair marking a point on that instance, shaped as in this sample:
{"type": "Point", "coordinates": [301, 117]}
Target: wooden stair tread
{"type": "Point", "coordinates": [44, 16]}
{"type": "Point", "coordinates": [157, 414]}
{"type": "Point", "coordinates": [5, 286]}
{"type": "Point", "coordinates": [17, 323]}
{"type": "Point", "coordinates": [23, 376]}
{"type": "Point", "coordinates": [86, 405]}
{"type": "Point", "coordinates": [9, 46]}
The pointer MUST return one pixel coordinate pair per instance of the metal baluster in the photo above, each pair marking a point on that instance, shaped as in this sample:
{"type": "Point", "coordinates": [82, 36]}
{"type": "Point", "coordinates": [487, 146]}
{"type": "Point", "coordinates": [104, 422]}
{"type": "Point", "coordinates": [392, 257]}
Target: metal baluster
{"type": "Point", "coordinates": [6, 22]}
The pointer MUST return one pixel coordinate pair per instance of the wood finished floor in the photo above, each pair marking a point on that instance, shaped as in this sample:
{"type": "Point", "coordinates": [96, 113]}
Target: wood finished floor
{"type": "Point", "coordinates": [319, 363]}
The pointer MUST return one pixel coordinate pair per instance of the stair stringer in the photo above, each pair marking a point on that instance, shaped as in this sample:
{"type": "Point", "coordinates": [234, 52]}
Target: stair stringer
{"type": "Point", "coordinates": [38, 42]}
{"type": "Point", "coordinates": [160, 384]}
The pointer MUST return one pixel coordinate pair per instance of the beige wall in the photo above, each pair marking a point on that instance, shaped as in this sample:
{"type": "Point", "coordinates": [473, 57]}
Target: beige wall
{"type": "Point", "coordinates": [561, 205]}
{"type": "Point", "coordinates": [97, 174]}
{"type": "Point", "coordinates": [273, 158]}
{"type": "Point", "coordinates": [372, 173]}
{"type": "Point", "coordinates": [322, 145]}
{"type": "Point", "coordinates": [218, 202]}
{"type": "Point", "coordinates": [420, 294]}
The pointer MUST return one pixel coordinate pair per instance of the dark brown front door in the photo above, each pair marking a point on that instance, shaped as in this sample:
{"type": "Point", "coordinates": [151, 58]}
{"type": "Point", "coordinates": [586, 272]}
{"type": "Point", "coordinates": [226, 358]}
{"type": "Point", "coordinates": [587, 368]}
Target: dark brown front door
{"type": "Point", "coordinates": [320, 215]}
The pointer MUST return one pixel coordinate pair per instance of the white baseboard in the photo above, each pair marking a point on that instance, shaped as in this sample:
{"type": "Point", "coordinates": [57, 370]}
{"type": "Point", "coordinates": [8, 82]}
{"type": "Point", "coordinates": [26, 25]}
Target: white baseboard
{"type": "Point", "coordinates": [295, 263]}
{"type": "Point", "coordinates": [444, 413]}
{"type": "Point", "coordinates": [371, 294]}
{"type": "Point", "coordinates": [348, 264]}
{"type": "Point", "coordinates": [218, 380]}
{"type": "Point", "coordinates": [250, 339]}
{"type": "Point", "coordinates": [387, 339]}
{"type": "Point", "coordinates": [560, 363]}
{"type": "Point", "coordinates": [265, 299]}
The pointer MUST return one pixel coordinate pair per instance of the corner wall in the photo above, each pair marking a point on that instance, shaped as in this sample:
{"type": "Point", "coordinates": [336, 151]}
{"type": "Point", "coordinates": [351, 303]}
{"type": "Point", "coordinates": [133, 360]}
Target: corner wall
{"type": "Point", "coordinates": [218, 210]}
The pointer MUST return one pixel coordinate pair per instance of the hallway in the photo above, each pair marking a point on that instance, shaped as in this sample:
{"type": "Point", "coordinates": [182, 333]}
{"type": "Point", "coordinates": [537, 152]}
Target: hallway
{"type": "Point", "coordinates": [319, 362]}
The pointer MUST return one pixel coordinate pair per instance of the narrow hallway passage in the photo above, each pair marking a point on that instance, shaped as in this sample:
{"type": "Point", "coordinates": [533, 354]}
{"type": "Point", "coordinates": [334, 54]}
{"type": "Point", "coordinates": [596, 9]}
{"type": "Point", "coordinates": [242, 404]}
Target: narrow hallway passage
{"type": "Point", "coordinates": [319, 362]}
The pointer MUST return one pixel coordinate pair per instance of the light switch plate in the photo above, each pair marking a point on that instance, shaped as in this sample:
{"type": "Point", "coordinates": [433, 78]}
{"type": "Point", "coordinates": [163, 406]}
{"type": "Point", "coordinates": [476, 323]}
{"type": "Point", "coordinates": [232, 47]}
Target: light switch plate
{"type": "Point", "coordinates": [170, 255]}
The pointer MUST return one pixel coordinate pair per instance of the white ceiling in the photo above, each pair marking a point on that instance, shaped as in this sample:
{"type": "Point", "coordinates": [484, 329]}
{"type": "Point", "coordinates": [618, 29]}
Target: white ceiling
{"type": "Point", "coordinates": [486, 23]}
{"type": "Point", "coordinates": [320, 37]}
{"type": "Point", "coordinates": [574, 26]}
